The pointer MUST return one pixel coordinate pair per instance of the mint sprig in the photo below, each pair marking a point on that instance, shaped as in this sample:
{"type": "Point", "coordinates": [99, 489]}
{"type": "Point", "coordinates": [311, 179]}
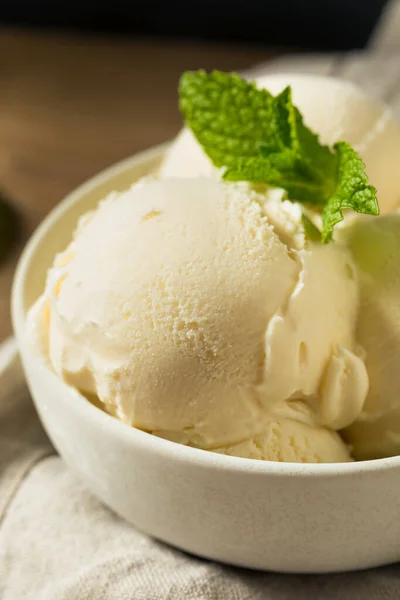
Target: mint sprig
{"type": "Point", "coordinates": [261, 138]}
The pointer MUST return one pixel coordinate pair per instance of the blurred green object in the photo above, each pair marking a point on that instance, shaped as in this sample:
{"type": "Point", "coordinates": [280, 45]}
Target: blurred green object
{"type": "Point", "coordinates": [9, 226]}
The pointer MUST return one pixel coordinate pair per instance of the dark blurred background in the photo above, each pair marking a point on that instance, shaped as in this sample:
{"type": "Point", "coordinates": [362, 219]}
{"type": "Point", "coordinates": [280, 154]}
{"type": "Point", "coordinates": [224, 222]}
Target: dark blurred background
{"type": "Point", "coordinates": [307, 24]}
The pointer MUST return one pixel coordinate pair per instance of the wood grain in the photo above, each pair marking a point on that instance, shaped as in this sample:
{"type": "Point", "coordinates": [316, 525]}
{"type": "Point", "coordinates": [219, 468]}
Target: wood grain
{"type": "Point", "coordinates": [69, 106]}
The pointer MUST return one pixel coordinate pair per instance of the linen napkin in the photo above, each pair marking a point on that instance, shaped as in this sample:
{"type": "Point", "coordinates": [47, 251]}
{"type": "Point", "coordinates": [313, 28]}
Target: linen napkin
{"type": "Point", "coordinates": [58, 542]}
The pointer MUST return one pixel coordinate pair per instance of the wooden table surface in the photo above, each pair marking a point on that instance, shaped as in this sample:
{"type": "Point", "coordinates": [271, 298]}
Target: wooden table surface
{"type": "Point", "coordinates": [71, 105]}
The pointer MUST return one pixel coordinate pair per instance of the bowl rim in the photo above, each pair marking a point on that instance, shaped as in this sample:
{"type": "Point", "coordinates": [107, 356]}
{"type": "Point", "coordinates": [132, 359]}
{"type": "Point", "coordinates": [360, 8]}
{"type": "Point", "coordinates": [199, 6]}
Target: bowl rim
{"type": "Point", "coordinates": [202, 458]}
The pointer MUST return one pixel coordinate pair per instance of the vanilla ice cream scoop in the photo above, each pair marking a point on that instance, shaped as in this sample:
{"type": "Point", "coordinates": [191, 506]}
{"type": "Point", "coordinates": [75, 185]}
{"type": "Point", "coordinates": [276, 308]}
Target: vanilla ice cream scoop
{"type": "Point", "coordinates": [376, 248]}
{"type": "Point", "coordinates": [336, 110]}
{"type": "Point", "coordinates": [287, 440]}
{"type": "Point", "coordinates": [181, 305]}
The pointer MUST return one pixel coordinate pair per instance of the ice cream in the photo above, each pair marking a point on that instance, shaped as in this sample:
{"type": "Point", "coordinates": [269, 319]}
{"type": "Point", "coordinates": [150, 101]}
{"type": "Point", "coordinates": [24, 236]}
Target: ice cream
{"type": "Point", "coordinates": [337, 110]}
{"type": "Point", "coordinates": [196, 310]}
{"type": "Point", "coordinates": [375, 244]}
{"type": "Point", "coordinates": [292, 441]}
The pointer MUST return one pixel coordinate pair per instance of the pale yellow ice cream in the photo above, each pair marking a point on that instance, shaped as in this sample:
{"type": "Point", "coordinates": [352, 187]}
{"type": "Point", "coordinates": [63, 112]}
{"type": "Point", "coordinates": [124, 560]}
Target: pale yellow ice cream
{"type": "Point", "coordinates": [337, 110]}
{"type": "Point", "coordinates": [375, 243]}
{"type": "Point", "coordinates": [291, 441]}
{"type": "Point", "coordinates": [196, 310]}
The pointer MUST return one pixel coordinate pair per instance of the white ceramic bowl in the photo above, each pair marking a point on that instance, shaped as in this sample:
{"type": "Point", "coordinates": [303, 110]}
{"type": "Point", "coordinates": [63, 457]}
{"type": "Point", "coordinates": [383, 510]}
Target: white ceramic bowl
{"type": "Point", "coordinates": [264, 515]}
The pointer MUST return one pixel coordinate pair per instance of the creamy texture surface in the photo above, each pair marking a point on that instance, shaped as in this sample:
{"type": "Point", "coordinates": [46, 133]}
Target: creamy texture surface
{"type": "Point", "coordinates": [291, 441]}
{"type": "Point", "coordinates": [368, 126]}
{"type": "Point", "coordinates": [196, 310]}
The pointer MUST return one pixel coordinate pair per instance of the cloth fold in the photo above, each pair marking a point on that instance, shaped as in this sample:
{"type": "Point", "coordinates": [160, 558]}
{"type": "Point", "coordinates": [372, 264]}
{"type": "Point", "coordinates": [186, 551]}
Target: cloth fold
{"type": "Point", "coordinates": [58, 542]}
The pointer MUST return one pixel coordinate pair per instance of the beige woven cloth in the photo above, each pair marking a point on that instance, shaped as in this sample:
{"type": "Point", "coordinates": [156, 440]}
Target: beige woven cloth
{"type": "Point", "coordinates": [58, 542]}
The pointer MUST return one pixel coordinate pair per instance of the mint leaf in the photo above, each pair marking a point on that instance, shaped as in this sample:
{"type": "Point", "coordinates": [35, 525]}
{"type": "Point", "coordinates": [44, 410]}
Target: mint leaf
{"type": "Point", "coordinates": [257, 137]}
{"type": "Point", "coordinates": [261, 138]}
{"type": "Point", "coordinates": [230, 117]}
{"type": "Point", "coordinates": [287, 170]}
{"type": "Point", "coordinates": [353, 190]}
